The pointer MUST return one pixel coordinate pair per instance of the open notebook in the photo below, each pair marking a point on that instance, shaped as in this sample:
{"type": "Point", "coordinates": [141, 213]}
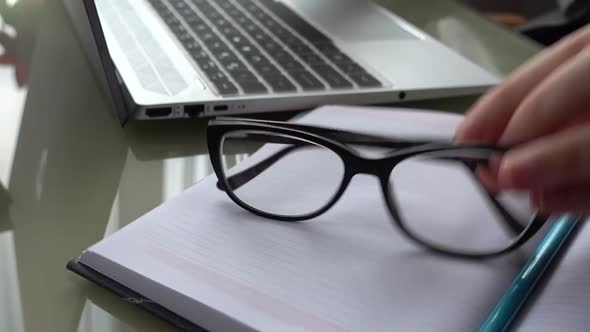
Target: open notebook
{"type": "Point", "coordinates": [203, 261]}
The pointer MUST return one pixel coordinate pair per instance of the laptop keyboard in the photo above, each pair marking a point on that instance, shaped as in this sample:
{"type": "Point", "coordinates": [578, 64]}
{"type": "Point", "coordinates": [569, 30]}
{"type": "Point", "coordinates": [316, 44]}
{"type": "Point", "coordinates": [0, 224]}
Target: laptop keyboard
{"type": "Point", "coordinates": [259, 47]}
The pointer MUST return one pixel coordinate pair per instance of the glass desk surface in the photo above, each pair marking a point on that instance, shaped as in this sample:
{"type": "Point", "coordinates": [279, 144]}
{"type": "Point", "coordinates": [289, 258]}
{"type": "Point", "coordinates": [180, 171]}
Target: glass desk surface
{"type": "Point", "coordinates": [70, 175]}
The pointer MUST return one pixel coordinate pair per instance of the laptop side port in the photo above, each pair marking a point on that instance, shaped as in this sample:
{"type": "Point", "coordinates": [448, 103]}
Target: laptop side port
{"type": "Point", "coordinates": [220, 108]}
{"type": "Point", "coordinates": [194, 110]}
{"type": "Point", "coordinates": [158, 112]}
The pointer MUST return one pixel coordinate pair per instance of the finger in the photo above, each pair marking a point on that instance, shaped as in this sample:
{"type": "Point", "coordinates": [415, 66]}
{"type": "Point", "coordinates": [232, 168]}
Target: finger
{"type": "Point", "coordinates": [488, 175]}
{"type": "Point", "coordinates": [488, 180]}
{"type": "Point", "coordinates": [561, 99]}
{"type": "Point", "coordinates": [487, 119]}
{"type": "Point", "coordinates": [549, 162]}
{"type": "Point", "coordinates": [574, 199]}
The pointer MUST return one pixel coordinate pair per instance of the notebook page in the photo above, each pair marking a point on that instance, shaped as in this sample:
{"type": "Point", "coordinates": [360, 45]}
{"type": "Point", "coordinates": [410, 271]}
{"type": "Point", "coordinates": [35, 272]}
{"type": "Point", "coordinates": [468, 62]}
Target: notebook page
{"type": "Point", "coordinates": [347, 270]}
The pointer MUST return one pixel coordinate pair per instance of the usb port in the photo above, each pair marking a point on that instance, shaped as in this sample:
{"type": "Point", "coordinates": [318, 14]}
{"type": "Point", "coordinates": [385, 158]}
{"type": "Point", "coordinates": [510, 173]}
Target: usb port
{"type": "Point", "coordinates": [194, 110]}
{"type": "Point", "coordinates": [158, 112]}
{"type": "Point", "coordinates": [220, 108]}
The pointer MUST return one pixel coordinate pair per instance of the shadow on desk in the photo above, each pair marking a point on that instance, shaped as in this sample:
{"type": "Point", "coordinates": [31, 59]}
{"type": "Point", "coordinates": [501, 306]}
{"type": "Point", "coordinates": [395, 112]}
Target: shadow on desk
{"type": "Point", "coordinates": [163, 139]}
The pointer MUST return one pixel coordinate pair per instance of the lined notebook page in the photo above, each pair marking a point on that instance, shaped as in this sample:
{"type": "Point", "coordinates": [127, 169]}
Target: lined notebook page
{"type": "Point", "coordinates": [208, 260]}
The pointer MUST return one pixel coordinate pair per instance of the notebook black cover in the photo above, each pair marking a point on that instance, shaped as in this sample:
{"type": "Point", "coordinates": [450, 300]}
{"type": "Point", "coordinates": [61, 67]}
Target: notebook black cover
{"type": "Point", "coordinates": [131, 296]}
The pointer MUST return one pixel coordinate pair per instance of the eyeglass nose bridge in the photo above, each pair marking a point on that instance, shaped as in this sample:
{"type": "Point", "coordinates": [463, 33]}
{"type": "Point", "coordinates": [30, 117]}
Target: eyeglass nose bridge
{"type": "Point", "coordinates": [380, 167]}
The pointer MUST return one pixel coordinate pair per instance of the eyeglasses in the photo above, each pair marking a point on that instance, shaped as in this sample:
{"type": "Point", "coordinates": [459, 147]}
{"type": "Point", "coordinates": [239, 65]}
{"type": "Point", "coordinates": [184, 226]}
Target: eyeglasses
{"type": "Point", "coordinates": [298, 172]}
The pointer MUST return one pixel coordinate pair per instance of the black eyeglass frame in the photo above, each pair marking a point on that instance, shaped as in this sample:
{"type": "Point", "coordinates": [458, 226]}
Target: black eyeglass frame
{"type": "Point", "coordinates": [354, 163]}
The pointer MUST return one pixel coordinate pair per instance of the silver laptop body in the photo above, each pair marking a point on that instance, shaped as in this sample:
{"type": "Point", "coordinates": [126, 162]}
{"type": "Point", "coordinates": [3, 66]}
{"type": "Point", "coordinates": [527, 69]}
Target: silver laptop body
{"type": "Point", "coordinates": [196, 58]}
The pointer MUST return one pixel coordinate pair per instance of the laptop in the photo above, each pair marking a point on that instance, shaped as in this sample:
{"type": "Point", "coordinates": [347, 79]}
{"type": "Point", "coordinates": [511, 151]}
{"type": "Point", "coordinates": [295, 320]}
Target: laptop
{"type": "Point", "coordinates": [199, 58]}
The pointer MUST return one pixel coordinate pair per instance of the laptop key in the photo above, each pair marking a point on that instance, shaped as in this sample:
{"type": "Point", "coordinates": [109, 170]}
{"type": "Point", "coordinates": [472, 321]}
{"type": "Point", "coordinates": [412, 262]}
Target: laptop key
{"type": "Point", "coordinates": [209, 37]}
{"type": "Point", "coordinates": [252, 8]}
{"type": "Point", "coordinates": [301, 49]}
{"type": "Point", "coordinates": [351, 68]}
{"type": "Point", "coordinates": [249, 52]}
{"type": "Point", "coordinates": [217, 76]}
{"type": "Point", "coordinates": [234, 66]}
{"type": "Point", "coordinates": [365, 80]}
{"type": "Point", "coordinates": [201, 28]}
{"type": "Point", "coordinates": [178, 4]}
{"type": "Point", "coordinates": [237, 39]}
{"type": "Point", "coordinates": [267, 21]}
{"type": "Point", "coordinates": [266, 69]}
{"type": "Point", "coordinates": [312, 59]}
{"type": "Point", "coordinates": [332, 77]}
{"type": "Point", "coordinates": [291, 65]}
{"type": "Point", "coordinates": [178, 28]}
{"type": "Point", "coordinates": [281, 32]}
{"type": "Point", "coordinates": [244, 75]}
{"type": "Point", "coordinates": [229, 31]}
{"type": "Point", "coordinates": [193, 20]}
{"type": "Point", "coordinates": [225, 4]}
{"type": "Point", "coordinates": [191, 46]}
{"type": "Point", "coordinates": [199, 55]}
{"type": "Point", "coordinates": [226, 56]}
{"type": "Point", "coordinates": [172, 21]}
{"type": "Point", "coordinates": [288, 62]}
{"type": "Point", "coordinates": [185, 37]}
{"type": "Point", "coordinates": [280, 83]}
{"type": "Point", "coordinates": [208, 66]}
{"type": "Point", "coordinates": [271, 46]}
{"type": "Point", "coordinates": [218, 46]}
{"type": "Point", "coordinates": [187, 13]}
{"type": "Point", "coordinates": [307, 81]}
{"type": "Point", "coordinates": [337, 56]}
{"type": "Point", "coordinates": [252, 87]}
{"type": "Point", "coordinates": [225, 87]}
{"type": "Point", "coordinates": [254, 57]}
{"type": "Point", "coordinates": [220, 22]}
{"type": "Point", "coordinates": [253, 29]}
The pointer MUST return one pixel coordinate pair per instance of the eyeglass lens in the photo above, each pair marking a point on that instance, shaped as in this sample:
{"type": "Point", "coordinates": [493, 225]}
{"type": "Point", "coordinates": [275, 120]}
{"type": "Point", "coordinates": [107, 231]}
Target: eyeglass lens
{"type": "Point", "coordinates": [283, 178]}
{"type": "Point", "coordinates": [441, 201]}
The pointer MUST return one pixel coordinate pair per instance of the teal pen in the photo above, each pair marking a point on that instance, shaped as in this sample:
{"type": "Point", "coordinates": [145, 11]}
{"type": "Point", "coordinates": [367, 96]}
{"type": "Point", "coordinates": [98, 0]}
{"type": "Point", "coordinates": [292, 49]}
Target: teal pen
{"type": "Point", "coordinates": [520, 289]}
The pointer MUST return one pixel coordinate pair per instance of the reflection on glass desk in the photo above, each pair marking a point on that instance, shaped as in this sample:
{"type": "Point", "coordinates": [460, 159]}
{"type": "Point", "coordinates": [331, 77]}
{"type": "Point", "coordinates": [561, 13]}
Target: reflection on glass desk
{"type": "Point", "coordinates": [72, 175]}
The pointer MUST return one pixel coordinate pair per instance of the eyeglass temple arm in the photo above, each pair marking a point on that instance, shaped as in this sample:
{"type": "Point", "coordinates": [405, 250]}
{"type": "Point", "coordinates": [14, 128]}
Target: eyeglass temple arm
{"type": "Point", "coordinates": [354, 138]}
{"type": "Point", "coordinates": [344, 136]}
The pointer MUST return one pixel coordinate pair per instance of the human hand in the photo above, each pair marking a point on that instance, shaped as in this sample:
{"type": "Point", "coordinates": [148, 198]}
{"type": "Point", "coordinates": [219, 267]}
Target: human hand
{"type": "Point", "coordinates": [543, 110]}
